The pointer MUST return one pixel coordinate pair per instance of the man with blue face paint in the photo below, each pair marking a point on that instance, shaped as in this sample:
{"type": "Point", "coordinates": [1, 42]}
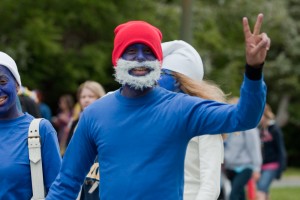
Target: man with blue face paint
{"type": "Point", "coordinates": [15, 172]}
{"type": "Point", "coordinates": [141, 131]}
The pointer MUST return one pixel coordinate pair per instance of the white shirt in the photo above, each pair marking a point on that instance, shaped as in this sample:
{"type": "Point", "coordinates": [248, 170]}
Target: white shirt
{"type": "Point", "coordinates": [202, 172]}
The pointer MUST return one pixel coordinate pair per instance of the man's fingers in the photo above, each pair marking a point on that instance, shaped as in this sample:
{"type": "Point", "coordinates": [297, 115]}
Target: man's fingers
{"type": "Point", "coordinates": [258, 24]}
{"type": "Point", "coordinates": [263, 44]}
{"type": "Point", "coordinates": [268, 44]}
{"type": "Point", "coordinates": [247, 32]}
{"type": "Point", "coordinates": [266, 41]}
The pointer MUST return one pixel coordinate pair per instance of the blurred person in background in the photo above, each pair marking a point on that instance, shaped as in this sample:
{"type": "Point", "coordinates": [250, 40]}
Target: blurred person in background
{"type": "Point", "coordinates": [28, 102]}
{"type": "Point", "coordinates": [87, 93]}
{"type": "Point", "coordinates": [243, 159]}
{"type": "Point", "coordinates": [44, 108]}
{"type": "Point", "coordinates": [273, 152]}
{"type": "Point", "coordinates": [63, 119]}
{"type": "Point", "coordinates": [15, 167]}
{"type": "Point", "coordinates": [182, 71]}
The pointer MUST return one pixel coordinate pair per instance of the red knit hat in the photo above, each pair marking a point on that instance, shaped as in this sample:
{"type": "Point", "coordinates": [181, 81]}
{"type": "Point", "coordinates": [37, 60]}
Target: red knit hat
{"type": "Point", "coordinates": [134, 32]}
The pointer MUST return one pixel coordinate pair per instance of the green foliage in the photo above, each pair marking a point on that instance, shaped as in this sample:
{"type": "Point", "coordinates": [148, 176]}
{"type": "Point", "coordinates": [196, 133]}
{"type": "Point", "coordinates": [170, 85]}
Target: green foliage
{"type": "Point", "coordinates": [59, 44]}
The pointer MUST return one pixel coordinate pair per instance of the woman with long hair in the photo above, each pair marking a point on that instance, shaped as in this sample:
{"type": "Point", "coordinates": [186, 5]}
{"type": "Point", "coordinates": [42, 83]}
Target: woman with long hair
{"type": "Point", "coordinates": [182, 71]}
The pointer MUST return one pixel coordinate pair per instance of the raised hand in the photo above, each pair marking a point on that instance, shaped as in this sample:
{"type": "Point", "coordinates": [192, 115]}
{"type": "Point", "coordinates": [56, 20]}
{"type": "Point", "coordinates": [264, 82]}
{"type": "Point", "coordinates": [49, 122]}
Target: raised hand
{"type": "Point", "coordinates": [257, 44]}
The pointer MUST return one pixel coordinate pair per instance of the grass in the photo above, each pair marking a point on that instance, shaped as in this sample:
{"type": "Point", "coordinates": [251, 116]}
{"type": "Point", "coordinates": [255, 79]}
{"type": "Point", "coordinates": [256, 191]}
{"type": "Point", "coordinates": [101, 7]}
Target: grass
{"type": "Point", "coordinates": [287, 193]}
{"type": "Point", "coordinates": [291, 171]}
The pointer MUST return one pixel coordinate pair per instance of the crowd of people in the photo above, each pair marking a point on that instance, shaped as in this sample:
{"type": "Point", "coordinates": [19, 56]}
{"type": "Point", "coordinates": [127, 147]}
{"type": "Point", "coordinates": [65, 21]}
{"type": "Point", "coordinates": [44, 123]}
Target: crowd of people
{"type": "Point", "coordinates": [164, 134]}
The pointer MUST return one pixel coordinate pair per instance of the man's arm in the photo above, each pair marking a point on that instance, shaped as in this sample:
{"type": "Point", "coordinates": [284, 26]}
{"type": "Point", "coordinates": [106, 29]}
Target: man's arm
{"type": "Point", "coordinates": [78, 159]}
{"type": "Point", "coordinates": [247, 113]}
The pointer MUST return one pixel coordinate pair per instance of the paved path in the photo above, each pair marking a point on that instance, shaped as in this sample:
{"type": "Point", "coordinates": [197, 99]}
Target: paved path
{"type": "Point", "coordinates": [287, 182]}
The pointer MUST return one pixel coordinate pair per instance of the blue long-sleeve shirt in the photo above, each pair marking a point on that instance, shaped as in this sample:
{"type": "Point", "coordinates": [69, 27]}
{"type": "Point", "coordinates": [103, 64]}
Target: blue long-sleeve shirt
{"type": "Point", "coordinates": [15, 175]}
{"type": "Point", "coordinates": [141, 142]}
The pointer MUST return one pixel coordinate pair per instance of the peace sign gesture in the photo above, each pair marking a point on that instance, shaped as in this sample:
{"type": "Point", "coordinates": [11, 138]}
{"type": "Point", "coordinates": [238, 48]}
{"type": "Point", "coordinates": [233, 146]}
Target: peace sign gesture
{"type": "Point", "coordinates": [257, 44]}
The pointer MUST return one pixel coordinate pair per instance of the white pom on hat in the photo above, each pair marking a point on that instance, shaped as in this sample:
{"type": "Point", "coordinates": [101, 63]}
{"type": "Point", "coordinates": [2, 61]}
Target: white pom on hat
{"type": "Point", "coordinates": [179, 56]}
{"type": "Point", "coordinates": [8, 62]}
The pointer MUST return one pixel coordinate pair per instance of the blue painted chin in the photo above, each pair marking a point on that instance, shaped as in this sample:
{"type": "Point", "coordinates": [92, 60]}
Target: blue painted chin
{"type": "Point", "coordinates": [168, 81]}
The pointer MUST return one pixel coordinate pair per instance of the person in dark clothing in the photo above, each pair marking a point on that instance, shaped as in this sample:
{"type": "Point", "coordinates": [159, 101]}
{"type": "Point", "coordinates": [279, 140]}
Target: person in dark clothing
{"type": "Point", "coordinates": [43, 107]}
{"type": "Point", "coordinates": [28, 105]}
{"type": "Point", "coordinates": [28, 102]}
{"type": "Point", "coordinates": [273, 153]}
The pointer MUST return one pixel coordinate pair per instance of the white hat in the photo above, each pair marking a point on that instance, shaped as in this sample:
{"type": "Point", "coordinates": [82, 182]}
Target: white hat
{"type": "Point", "coordinates": [8, 62]}
{"type": "Point", "coordinates": [181, 57]}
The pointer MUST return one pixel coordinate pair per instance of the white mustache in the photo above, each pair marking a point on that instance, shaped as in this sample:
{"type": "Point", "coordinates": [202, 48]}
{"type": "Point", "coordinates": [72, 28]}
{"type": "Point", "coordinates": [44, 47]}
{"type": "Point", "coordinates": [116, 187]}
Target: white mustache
{"type": "Point", "coordinates": [137, 82]}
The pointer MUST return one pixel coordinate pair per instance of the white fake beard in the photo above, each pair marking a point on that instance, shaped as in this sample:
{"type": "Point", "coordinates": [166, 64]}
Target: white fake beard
{"type": "Point", "coordinates": [123, 68]}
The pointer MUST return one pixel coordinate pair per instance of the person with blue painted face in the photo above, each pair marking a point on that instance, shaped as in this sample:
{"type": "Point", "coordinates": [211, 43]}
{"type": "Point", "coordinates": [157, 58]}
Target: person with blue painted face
{"type": "Point", "coordinates": [15, 171]}
{"type": "Point", "coordinates": [182, 71]}
{"type": "Point", "coordinates": [141, 131]}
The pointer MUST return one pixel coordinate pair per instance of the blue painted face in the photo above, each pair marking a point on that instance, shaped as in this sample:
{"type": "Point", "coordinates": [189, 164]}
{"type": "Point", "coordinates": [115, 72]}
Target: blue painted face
{"type": "Point", "coordinates": [8, 94]}
{"type": "Point", "coordinates": [138, 52]}
{"type": "Point", "coordinates": [168, 81]}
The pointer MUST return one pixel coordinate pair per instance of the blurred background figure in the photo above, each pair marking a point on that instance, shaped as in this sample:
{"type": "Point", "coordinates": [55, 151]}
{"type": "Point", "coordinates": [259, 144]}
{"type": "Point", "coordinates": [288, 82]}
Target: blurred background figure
{"type": "Point", "coordinates": [87, 93]}
{"type": "Point", "coordinates": [44, 108]}
{"type": "Point", "coordinates": [273, 152]}
{"type": "Point", "coordinates": [28, 102]}
{"type": "Point", "coordinates": [243, 159]}
{"type": "Point", "coordinates": [62, 120]}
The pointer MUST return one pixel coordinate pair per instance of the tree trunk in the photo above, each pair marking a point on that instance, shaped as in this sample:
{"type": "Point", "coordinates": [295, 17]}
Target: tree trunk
{"type": "Point", "coordinates": [282, 115]}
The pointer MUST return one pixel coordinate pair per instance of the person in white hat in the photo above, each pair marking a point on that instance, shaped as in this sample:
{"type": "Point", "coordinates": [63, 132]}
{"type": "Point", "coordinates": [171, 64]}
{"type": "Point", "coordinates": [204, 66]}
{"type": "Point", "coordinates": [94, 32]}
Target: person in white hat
{"type": "Point", "coordinates": [14, 155]}
{"type": "Point", "coordinates": [182, 71]}
{"type": "Point", "coordinates": [140, 132]}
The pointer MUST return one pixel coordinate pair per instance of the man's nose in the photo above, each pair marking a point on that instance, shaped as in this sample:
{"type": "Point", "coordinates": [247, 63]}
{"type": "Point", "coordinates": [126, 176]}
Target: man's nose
{"type": "Point", "coordinates": [140, 56]}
